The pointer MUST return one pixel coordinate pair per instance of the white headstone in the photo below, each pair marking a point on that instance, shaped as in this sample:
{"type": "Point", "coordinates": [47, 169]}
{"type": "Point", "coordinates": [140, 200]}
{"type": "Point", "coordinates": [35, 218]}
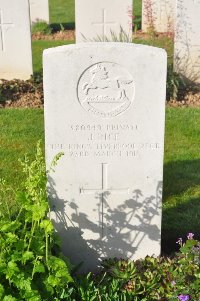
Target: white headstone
{"type": "Point", "coordinates": [39, 10]}
{"type": "Point", "coordinates": [158, 15]}
{"type": "Point", "coordinates": [187, 40]}
{"type": "Point", "coordinates": [105, 108]}
{"type": "Point", "coordinates": [15, 40]}
{"type": "Point", "coordinates": [103, 20]}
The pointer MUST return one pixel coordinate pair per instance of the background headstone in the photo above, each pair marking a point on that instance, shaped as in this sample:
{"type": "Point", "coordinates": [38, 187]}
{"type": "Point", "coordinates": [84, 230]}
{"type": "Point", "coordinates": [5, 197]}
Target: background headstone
{"type": "Point", "coordinates": [39, 10]}
{"type": "Point", "coordinates": [105, 108]}
{"type": "Point", "coordinates": [187, 40]}
{"type": "Point", "coordinates": [101, 20]}
{"type": "Point", "coordinates": [159, 14]}
{"type": "Point", "coordinates": [15, 40]}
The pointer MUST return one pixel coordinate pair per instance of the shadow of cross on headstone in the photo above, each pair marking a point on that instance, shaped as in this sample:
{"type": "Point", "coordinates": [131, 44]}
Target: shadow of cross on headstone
{"type": "Point", "coordinates": [104, 23]}
{"type": "Point", "coordinates": [2, 27]}
{"type": "Point", "coordinates": [104, 192]}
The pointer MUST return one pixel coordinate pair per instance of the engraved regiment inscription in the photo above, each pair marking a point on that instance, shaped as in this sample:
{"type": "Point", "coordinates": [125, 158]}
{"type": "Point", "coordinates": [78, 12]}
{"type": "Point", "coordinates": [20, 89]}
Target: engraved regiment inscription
{"type": "Point", "coordinates": [106, 89]}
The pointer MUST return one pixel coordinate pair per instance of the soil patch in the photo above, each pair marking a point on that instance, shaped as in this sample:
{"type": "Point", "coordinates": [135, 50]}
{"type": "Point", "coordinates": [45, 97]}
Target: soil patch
{"type": "Point", "coordinates": [70, 35]}
{"type": "Point", "coordinates": [21, 94]}
{"type": "Point", "coordinates": [29, 94]}
{"type": "Point", "coordinates": [190, 100]}
{"type": "Point", "coordinates": [59, 35]}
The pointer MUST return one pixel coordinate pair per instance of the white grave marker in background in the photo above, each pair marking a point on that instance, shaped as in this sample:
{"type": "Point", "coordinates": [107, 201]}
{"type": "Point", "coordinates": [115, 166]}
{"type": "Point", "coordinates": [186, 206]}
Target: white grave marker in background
{"type": "Point", "coordinates": [97, 20]}
{"type": "Point", "coordinates": [39, 10]}
{"type": "Point", "coordinates": [15, 40]}
{"type": "Point", "coordinates": [105, 108]}
{"type": "Point", "coordinates": [187, 40]}
{"type": "Point", "coordinates": [158, 14]}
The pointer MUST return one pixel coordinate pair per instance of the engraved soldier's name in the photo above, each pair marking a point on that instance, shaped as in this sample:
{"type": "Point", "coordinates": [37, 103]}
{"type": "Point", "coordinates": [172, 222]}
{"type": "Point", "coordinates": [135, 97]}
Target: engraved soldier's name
{"type": "Point", "coordinates": [104, 140]}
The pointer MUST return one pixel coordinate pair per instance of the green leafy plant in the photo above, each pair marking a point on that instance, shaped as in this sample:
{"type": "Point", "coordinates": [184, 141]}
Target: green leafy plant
{"type": "Point", "coordinates": [41, 27]}
{"type": "Point", "coordinates": [187, 272]}
{"type": "Point", "coordinates": [29, 267]}
{"type": "Point", "coordinates": [151, 278]}
{"type": "Point", "coordinates": [122, 269]}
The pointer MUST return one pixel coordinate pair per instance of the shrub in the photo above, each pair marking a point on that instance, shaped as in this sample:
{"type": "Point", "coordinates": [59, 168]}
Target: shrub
{"type": "Point", "coordinates": [41, 27]}
{"type": "Point", "coordinates": [148, 279]}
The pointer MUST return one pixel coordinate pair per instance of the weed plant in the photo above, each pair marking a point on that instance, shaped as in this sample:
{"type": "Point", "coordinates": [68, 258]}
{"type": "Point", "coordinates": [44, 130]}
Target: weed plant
{"type": "Point", "coordinates": [30, 269]}
{"type": "Point", "coordinates": [122, 37]}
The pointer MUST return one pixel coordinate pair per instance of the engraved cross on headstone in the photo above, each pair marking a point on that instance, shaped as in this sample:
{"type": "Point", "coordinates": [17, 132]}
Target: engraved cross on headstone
{"type": "Point", "coordinates": [2, 26]}
{"type": "Point", "coordinates": [103, 23]}
{"type": "Point", "coordinates": [104, 191]}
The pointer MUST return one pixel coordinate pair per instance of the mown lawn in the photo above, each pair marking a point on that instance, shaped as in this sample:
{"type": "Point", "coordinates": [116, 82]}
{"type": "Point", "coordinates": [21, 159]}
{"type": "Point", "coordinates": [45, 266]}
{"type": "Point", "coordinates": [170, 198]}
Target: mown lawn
{"type": "Point", "coordinates": [20, 129]}
{"type": "Point", "coordinates": [181, 209]}
{"type": "Point", "coordinates": [38, 47]}
{"type": "Point", "coordinates": [63, 12]}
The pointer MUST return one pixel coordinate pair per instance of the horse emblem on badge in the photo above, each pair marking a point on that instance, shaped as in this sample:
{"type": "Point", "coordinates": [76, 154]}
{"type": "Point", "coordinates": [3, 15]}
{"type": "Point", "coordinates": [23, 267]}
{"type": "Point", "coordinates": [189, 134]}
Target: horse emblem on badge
{"type": "Point", "coordinates": [106, 89]}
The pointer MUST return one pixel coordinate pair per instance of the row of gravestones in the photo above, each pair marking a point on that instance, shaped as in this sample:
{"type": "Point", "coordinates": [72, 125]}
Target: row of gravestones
{"type": "Point", "coordinates": [105, 110]}
{"type": "Point", "coordinates": [101, 20]}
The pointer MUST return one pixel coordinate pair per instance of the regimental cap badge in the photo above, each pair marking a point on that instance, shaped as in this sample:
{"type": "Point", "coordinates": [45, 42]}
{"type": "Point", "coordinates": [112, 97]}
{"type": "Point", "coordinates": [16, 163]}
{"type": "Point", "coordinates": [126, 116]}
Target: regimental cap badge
{"type": "Point", "coordinates": [106, 89]}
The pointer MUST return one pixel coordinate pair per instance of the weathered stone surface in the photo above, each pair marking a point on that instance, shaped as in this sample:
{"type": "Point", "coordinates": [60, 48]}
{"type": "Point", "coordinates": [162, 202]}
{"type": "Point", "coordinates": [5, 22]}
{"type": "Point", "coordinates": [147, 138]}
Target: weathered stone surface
{"type": "Point", "coordinates": [158, 15]}
{"type": "Point", "coordinates": [105, 108]}
{"type": "Point", "coordinates": [187, 40]}
{"type": "Point", "coordinates": [15, 40]}
{"type": "Point", "coordinates": [39, 10]}
{"type": "Point", "coordinates": [103, 20]}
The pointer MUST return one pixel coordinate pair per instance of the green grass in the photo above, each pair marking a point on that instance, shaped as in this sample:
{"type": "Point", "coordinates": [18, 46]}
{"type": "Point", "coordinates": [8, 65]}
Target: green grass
{"type": "Point", "coordinates": [182, 151]}
{"type": "Point", "coordinates": [181, 197]}
{"type": "Point", "coordinates": [161, 42]}
{"type": "Point", "coordinates": [137, 12]}
{"type": "Point", "coordinates": [38, 47]}
{"type": "Point", "coordinates": [63, 12]}
{"type": "Point", "coordinates": [20, 129]}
